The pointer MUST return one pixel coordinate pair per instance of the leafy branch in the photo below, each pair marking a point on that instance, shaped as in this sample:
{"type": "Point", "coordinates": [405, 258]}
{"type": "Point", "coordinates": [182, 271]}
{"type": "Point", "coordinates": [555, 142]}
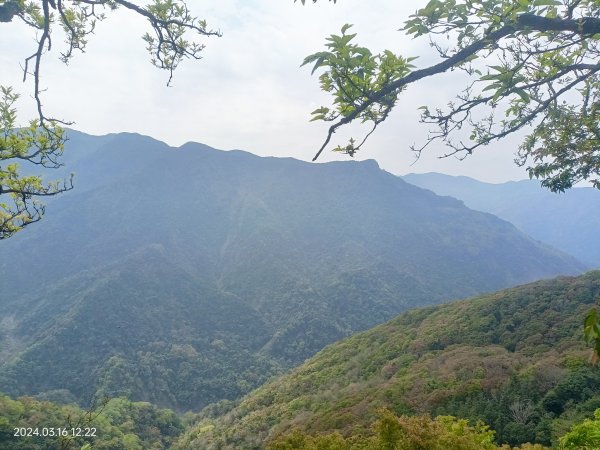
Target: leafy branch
{"type": "Point", "coordinates": [39, 146]}
{"type": "Point", "coordinates": [530, 64]}
{"type": "Point", "coordinates": [175, 32]}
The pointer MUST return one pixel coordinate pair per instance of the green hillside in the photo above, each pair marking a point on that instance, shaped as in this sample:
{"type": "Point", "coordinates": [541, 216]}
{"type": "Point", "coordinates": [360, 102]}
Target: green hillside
{"type": "Point", "coordinates": [140, 328]}
{"type": "Point", "coordinates": [514, 359]}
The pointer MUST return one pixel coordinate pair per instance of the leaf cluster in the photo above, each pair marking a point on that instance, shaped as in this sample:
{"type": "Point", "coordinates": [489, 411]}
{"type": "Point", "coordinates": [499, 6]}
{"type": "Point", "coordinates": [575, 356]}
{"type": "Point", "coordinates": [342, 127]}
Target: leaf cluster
{"type": "Point", "coordinates": [353, 74]}
{"type": "Point", "coordinates": [529, 65]}
{"type": "Point", "coordinates": [34, 146]}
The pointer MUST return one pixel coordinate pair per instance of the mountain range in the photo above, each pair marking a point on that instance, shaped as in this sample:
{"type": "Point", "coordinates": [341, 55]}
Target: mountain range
{"type": "Point", "coordinates": [184, 276]}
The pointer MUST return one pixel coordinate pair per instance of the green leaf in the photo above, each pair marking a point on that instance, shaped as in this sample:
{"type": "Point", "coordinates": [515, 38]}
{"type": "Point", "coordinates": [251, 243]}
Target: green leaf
{"type": "Point", "coordinates": [346, 27]}
{"type": "Point", "coordinates": [523, 94]}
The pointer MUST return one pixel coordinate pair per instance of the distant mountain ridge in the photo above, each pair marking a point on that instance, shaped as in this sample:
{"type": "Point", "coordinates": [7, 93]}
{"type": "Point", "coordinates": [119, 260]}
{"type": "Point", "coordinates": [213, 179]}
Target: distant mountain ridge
{"type": "Point", "coordinates": [184, 276]}
{"type": "Point", "coordinates": [568, 221]}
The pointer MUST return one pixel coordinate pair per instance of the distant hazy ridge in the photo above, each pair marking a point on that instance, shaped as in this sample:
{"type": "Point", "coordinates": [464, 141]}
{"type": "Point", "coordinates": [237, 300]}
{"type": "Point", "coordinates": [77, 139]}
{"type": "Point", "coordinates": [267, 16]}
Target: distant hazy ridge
{"type": "Point", "coordinates": [568, 221]}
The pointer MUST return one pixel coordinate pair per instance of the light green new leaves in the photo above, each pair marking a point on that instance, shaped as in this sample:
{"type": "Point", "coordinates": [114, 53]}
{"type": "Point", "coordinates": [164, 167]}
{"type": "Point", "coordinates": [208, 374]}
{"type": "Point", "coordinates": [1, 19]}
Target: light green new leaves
{"type": "Point", "coordinates": [32, 144]}
{"type": "Point", "coordinates": [469, 17]}
{"type": "Point", "coordinates": [353, 74]}
{"type": "Point", "coordinates": [585, 435]}
{"type": "Point", "coordinates": [529, 65]}
{"type": "Point", "coordinates": [563, 149]}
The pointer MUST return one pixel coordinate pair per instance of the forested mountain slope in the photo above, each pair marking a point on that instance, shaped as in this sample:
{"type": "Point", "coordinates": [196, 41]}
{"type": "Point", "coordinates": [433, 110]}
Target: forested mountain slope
{"type": "Point", "coordinates": [568, 221]}
{"type": "Point", "coordinates": [514, 359]}
{"type": "Point", "coordinates": [184, 276]}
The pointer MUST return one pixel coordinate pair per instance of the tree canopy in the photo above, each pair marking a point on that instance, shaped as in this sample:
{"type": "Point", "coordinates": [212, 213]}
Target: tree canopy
{"type": "Point", "coordinates": [174, 36]}
{"type": "Point", "coordinates": [529, 65]}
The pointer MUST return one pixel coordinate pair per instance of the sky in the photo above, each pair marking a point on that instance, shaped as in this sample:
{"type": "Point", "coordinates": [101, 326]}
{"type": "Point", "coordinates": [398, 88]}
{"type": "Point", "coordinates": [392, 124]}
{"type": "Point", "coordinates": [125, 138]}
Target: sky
{"type": "Point", "coordinates": [248, 92]}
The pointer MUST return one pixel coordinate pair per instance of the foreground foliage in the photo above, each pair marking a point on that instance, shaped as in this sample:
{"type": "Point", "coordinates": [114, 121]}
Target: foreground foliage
{"type": "Point", "coordinates": [407, 433]}
{"type": "Point", "coordinates": [121, 424]}
{"type": "Point", "coordinates": [36, 147]}
{"type": "Point", "coordinates": [118, 423]}
{"type": "Point", "coordinates": [585, 435]}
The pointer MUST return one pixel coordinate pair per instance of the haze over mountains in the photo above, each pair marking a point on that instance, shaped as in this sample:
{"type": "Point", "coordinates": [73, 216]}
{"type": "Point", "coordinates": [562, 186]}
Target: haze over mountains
{"type": "Point", "coordinates": [568, 221]}
{"type": "Point", "coordinates": [185, 276]}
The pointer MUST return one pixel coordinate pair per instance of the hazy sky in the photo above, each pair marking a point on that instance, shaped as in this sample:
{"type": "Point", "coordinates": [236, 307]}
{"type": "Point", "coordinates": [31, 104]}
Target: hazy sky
{"type": "Point", "coordinates": [248, 92]}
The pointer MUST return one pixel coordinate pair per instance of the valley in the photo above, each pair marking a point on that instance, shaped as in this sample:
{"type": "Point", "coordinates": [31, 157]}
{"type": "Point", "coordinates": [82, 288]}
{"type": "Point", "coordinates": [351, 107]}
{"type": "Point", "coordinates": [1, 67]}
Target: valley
{"type": "Point", "coordinates": [187, 278]}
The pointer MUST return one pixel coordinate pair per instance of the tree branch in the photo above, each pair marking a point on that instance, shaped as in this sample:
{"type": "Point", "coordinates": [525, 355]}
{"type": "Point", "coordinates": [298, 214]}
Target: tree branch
{"type": "Point", "coordinates": [523, 23]}
{"type": "Point", "coordinates": [417, 75]}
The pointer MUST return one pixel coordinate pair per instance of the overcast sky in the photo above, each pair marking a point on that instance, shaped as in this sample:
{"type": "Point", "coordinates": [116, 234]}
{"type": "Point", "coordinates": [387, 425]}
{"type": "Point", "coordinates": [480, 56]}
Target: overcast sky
{"type": "Point", "coordinates": [248, 92]}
